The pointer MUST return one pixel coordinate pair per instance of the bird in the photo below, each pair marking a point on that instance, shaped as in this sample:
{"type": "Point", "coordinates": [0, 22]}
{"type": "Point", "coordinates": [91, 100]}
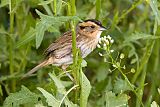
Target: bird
{"type": "Point", "coordinates": [59, 53]}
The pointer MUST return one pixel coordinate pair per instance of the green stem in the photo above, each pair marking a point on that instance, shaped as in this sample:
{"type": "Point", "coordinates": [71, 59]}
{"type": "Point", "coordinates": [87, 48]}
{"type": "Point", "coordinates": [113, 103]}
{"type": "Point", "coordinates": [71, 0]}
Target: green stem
{"type": "Point", "coordinates": [125, 77]}
{"type": "Point", "coordinates": [72, 11]}
{"type": "Point", "coordinates": [142, 82]}
{"type": "Point", "coordinates": [145, 59]}
{"type": "Point", "coordinates": [74, 49]}
{"type": "Point", "coordinates": [55, 7]}
{"type": "Point", "coordinates": [155, 65]}
{"type": "Point", "coordinates": [10, 44]}
{"type": "Point", "coordinates": [73, 7]}
{"type": "Point", "coordinates": [129, 10]}
{"type": "Point", "coordinates": [67, 94]}
{"type": "Point", "coordinates": [98, 8]}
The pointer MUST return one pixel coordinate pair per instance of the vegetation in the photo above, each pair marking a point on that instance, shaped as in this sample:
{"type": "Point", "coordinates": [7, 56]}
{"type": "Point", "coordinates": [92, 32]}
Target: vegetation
{"type": "Point", "coordinates": [122, 72]}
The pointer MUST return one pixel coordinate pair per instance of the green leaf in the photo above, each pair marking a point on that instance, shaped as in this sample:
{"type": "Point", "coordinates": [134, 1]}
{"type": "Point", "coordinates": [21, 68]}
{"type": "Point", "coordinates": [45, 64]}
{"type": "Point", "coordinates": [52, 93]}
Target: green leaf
{"type": "Point", "coordinates": [59, 6]}
{"type": "Point", "coordinates": [48, 22]}
{"type": "Point", "coordinates": [1, 93]}
{"type": "Point", "coordinates": [41, 27]}
{"type": "Point", "coordinates": [26, 38]}
{"type": "Point", "coordinates": [84, 63]}
{"type": "Point", "coordinates": [154, 6]}
{"type": "Point", "coordinates": [121, 85]}
{"type": "Point", "coordinates": [136, 36]}
{"type": "Point", "coordinates": [134, 60]}
{"type": "Point", "coordinates": [85, 90]}
{"type": "Point", "coordinates": [39, 105]}
{"type": "Point", "coordinates": [58, 83]}
{"type": "Point", "coordinates": [45, 2]}
{"type": "Point", "coordinates": [4, 3]}
{"type": "Point", "coordinates": [70, 104]}
{"type": "Point", "coordinates": [116, 101]}
{"type": "Point", "coordinates": [46, 7]}
{"type": "Point", "coordinates": [61, 89]}
{"type": "Point", "coordinates": [50, 99]}
{"type": "Point", "coordinates": [24, 96]}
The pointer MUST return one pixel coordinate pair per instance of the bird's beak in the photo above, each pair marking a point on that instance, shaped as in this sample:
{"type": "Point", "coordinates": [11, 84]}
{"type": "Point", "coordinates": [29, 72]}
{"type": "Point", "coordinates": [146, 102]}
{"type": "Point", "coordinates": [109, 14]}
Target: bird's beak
{"type": "Point", "coordinates": [102, 28]}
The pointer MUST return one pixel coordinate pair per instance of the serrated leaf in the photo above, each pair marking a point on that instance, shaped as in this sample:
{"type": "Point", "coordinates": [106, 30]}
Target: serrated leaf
{"type": "Point", "coordinates": [4, 3]}
{"type": "Point", "coordinates": [116, 101]}
{"type": "Point", "coordinates": [84, 63]}
{"type": "Point", "coordinates": [61, 89]}
{"type": "Point", "coordinates": [45, 2]}
{"type": "Point", "coordinates": [101, 74]}
{"type": "Point", "coordinates": [26, 38]}
{"type": "Point", "coordinates": [136, 36]}
{"type": "Point", "coordinates": [131, 53]}
{"type": "Point", "coordinates": [70, 104]}
{"type": "Point", "coordinates": [85, 90]}
{"type": "Point", "coordinates": [154, 6]}
{"type": "Point", "coordinates": [121, 85]}
{"type": "Point", "coordinates": [41, 27]}
{"type": "Point", "coordinates": [59, 6]}
{"type": "Point", "coordinates": [134, 60]}
{"type": "Point", "coordinates": [47, 22]}
{"type": "Point", "coordinates": [40, 105]}
{"type": "Point", "coordinates": [50, 99]}
{"type": "Point", "coordinates": [53, 29]}
{"type": "Point", "coordinates": [58, 83]}
{"type": "Point", "coordinates": [24, 96]}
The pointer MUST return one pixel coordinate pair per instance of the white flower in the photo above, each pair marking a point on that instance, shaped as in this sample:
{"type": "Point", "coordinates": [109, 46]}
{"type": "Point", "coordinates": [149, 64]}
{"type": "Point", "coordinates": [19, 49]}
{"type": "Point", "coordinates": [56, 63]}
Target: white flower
{"type": "Point", "coordinates": [124, 67]}
{"type": "Point", "coordinates": [118, 64]}
{"type": "Point", "coordinates": [102, 39]}
{"type": "Point", "coordinates": [109, 37]}
{"type": "Point", "coordinates": [114, 66]}
{"type": "Point", "coordinates": [112, 40]}
{"type": "Point", "coordinates": [133, 70]}
{"type": "Point", "coordinates": [99, 41]}
{"type": "Point", "coordinates": [121, 55]}
{"type": "Point", "coordinates": [100, 54]}
{"type": "Point", "coordinates": [98, 45]}
{"type": "Point", "coordinates": [106, 41]}
{"type": "Point", "coordinates": [109, 70]}
{"type": "Point", "coordinates": [112, 51]}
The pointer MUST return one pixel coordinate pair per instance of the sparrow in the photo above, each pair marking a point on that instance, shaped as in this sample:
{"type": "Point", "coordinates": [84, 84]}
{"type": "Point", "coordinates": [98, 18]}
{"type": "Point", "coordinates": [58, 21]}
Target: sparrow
{"type": "Point", "coordinates": [59, 53]}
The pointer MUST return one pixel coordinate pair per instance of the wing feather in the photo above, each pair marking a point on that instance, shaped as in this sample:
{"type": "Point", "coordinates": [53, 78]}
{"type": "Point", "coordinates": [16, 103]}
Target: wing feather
{"type": "Point", "coordinates": [62, 43]}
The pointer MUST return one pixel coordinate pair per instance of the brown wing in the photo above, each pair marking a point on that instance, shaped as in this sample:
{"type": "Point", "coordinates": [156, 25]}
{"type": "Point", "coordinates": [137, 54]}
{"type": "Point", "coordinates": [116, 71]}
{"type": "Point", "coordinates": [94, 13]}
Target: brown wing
{"type": "Point", "coordinates": [61, 47]}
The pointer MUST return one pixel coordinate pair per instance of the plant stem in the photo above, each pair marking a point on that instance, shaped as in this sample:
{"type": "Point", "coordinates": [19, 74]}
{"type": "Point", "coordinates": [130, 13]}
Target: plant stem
{"type": "Point", "coordinates": [72, 9]}
{"type": "Point", "coordinates": [55, 7]}
{"type": "Point", "coordinates": [125, 77]}
{"type": "Point", "coordinates": [67, 94]}
{"type": "Point", "coordinates": [98, 8]}
{"type": "Point", "coordinates": [142, 82]}
{"type": "Point", "coordinates": [10, 44]}
{"type": "Point", "coordinates": [145, 59]}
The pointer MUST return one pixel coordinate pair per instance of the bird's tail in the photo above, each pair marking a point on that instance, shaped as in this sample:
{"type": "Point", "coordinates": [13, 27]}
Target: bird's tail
{"type": "Point", "coordinates": [42, 64]}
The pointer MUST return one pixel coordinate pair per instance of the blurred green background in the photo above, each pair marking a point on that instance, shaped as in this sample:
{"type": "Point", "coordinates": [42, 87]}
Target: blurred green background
{"type": "Point", "coordinates": [134, 26]}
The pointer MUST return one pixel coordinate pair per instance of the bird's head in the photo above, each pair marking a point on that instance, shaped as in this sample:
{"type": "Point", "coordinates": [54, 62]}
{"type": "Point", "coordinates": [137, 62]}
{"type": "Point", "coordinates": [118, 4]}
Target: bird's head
{"type": "Point", "coordinates": [91, 28]}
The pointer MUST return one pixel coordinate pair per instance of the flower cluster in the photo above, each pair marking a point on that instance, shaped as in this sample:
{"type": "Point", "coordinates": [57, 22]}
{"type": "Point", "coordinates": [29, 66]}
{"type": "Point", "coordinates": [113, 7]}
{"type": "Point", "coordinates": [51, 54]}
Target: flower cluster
{"type": "Point", "coordinates": [105, 44]}
{"type": "Point", "coordinates": [106, 41]}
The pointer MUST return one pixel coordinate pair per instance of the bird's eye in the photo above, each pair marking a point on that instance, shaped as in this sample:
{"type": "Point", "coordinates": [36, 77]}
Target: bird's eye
{"type": "Point", "coordinates": [82, 27]}
{"type": "Point", "coordinates": [92, 27]}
